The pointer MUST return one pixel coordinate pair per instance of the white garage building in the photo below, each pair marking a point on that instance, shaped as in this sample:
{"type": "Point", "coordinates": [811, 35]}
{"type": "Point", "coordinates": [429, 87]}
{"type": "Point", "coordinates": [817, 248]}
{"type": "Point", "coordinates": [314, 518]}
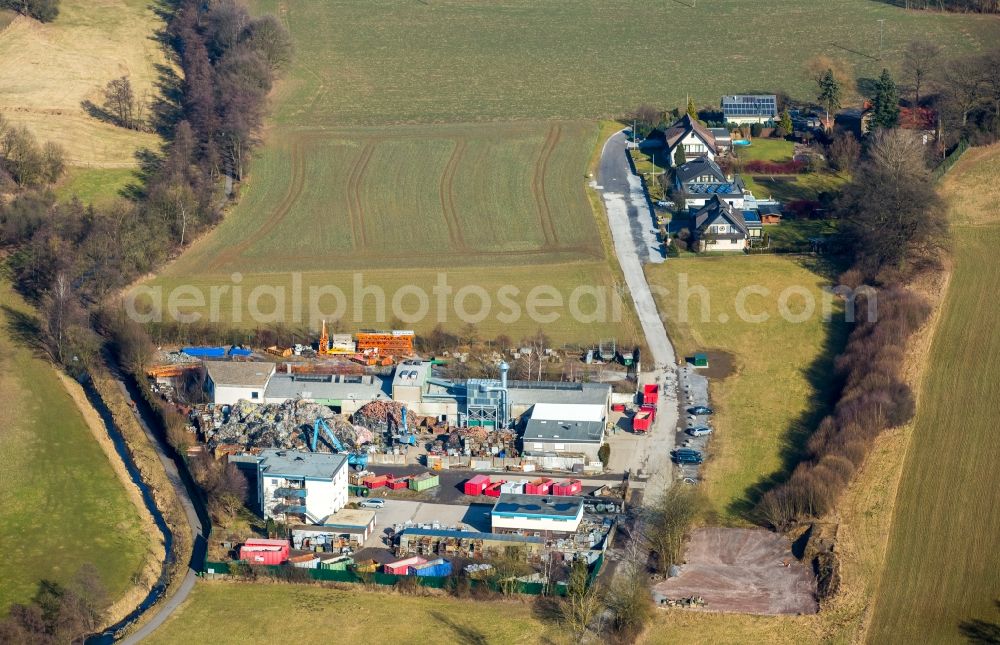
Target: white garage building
{"type": "Point", "coordinates": [560, 429]}
{"type": "Point", "coordinates": [231, 381]}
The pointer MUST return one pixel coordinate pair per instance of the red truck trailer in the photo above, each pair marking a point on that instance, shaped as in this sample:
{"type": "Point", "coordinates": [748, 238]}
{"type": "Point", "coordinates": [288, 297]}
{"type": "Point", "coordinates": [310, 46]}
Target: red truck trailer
{"type": "Point", "coordinates": [649, 407]}
{"type": "Point", "coordinates": [651, 393]}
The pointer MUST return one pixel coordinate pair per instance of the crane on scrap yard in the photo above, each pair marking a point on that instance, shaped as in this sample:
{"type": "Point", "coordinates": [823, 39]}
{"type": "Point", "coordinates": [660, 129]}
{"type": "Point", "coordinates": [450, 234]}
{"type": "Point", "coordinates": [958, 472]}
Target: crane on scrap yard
{"type": "Point", "coordinates": [324, 341]}
{"type": "Point", "coordinates": [358, 458]}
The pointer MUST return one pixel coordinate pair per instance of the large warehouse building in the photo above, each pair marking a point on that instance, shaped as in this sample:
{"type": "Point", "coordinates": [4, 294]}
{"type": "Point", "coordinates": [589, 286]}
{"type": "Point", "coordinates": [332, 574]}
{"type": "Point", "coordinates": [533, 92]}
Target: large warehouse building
{"type": "Point", "coordinates": [536, 514]}
{"type": "Point", "coordinates": [563, 429]}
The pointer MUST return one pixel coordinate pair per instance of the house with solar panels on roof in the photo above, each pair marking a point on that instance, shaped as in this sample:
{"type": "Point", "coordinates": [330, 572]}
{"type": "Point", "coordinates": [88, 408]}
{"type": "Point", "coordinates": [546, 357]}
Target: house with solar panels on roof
{"type": "Point", "coordinates": [698, 141]}
{"type": "Point", "coordinates": [750, 108]}
{"type": "Point", "coordinates": [701, 179]}
{"type": "Point", "coordinates": [719, 226]}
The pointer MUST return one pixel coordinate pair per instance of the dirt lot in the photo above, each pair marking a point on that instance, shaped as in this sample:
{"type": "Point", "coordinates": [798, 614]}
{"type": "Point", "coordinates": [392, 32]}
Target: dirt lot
{"type": "Point", "coordinates": [743, 570]}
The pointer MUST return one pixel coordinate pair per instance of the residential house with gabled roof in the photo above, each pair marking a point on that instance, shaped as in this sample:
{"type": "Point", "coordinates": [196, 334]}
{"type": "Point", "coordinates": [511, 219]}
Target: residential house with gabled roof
{"type": "Point", "coordinates": [697, 181]}
{"type": "Point", "coordinates": [718, 226]}
{"type": "Point", "coordinates": [697, 140]}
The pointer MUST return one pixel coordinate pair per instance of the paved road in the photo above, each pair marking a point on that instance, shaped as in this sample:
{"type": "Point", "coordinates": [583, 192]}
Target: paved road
{"type": "Point", "coordinates": [163, 610]}
{"type": "Point", "coordinates": [631, 220]}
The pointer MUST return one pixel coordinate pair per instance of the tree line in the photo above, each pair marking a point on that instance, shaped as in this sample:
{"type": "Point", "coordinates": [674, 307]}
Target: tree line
{"type": "Point", "coordinates": [58, 613]}
{"type": "Point", "coordinates": [893, 229]}
{"type": "Point", "coordinates": [41, 10]}
{"type": "Point", "coordinates": [962, 6]}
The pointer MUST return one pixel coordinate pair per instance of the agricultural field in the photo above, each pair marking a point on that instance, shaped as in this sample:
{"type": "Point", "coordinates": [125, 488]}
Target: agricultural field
{"type": "Point", "coordinates": [70, 60]}
{"type": "Point", "coordinates": [411, 197]}
{"type": "Point", "coordinates": [61, 504]}
{"type": "Point", "coordinates": [775, 392]}
{"type": "Point", "coordinates": [455, 61]}
{"type": "Point", "coordinates": [457, 134]}
{"type": "Point", "coordinates": [942, 578]}
{"type": "Point", "coordinates": [231, 613]}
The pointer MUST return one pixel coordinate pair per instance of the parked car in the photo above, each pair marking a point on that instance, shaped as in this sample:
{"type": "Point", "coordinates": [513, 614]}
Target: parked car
{"type": "Point", "coordinates": [687, 456]}
{"type": "Point", "coordinates": [700, 409]}
{"type": "Point", "coordinates": [374, 502]}
{"type": "Point", "coordinates": [699, 431]}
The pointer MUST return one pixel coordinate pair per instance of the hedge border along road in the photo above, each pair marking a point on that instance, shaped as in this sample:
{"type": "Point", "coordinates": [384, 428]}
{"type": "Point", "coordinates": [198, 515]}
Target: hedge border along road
{"type": "Point", "coordinates": [942, 576]}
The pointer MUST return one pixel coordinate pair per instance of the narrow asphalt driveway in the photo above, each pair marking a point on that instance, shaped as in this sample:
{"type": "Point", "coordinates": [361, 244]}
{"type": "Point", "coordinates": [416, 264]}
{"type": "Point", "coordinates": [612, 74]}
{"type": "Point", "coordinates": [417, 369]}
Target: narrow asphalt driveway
{"type": "Point", "coordinates": [165, 608]}
{"type": "Point", "coordinates": [631, 220]}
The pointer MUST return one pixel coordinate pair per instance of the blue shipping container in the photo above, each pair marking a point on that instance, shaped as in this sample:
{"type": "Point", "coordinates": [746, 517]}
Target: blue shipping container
{"type": "Point", "coordinates": [435, 568]}
{"type": "Point", "coordinates": [205, 352]}
{"type": "Point", "coordinates": [239, 351]}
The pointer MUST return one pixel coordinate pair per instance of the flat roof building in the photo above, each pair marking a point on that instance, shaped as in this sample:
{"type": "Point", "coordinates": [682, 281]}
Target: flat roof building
{"type": "Point", "coordinates": [560, 429]}
{"type": "Point", "coordinates": [307, 485]}
{"type": "Point", "coordinates": [541, 514]}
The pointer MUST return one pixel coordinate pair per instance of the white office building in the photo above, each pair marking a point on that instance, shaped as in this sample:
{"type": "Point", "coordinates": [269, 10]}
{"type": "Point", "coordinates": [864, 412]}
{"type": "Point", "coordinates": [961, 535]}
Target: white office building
{"type": "Point", "coordinates": [301, 486]}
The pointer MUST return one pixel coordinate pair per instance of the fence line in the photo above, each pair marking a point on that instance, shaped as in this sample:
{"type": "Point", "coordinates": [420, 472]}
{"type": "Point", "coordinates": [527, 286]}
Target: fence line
{"type": "Point", "coordinates": [950, 161]}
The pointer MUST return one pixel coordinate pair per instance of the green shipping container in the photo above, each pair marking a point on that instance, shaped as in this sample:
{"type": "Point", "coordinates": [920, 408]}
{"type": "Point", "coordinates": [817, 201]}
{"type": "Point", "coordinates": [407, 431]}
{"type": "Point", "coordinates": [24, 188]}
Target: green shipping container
{"type": "Point", "coordinates": [423, 482]}
{"type": "Point", "coordinates": [701, 360]}
{"type": "Point", "coordinates": [336, 565]}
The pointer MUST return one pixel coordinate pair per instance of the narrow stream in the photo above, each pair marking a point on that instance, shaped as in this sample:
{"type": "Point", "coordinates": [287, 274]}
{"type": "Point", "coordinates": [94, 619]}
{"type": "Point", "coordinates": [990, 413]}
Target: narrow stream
{"type": "Point", "coordinates": [108, 636]}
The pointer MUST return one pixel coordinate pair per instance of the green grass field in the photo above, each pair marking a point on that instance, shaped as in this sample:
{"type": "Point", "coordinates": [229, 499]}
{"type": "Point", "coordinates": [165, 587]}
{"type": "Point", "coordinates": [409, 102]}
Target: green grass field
{"type": "Point", "coordinates": [453, 61]}
{"type": "Point", "coordinates": [61, 504]}
{"type": "Point", "coordinates": [769, 403]}
{"type": "Point", "coordinates": [411, 197]}
{"type": "Point", "coordinates": [241, 613]}
{"type": "Point", "coordinates": [97, 186]}
{"type": "Point", "coordinates": [943, 569]}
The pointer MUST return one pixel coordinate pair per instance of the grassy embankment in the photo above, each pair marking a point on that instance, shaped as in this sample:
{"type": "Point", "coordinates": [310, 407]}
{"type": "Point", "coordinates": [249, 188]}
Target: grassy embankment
{"type": "Point", "coordinates": [50, 69]}
{"type": "Point", "coordinates": [62, 503]}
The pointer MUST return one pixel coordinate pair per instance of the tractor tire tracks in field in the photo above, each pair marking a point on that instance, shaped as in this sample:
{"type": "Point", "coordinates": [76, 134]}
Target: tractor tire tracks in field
{"type": "Point", "coordinates": [447, 191]}
{"type": "Point", "coordinates": [538, 186]}
{"type": "Point", "coordinates": [291, 196]}
{"type": "Point", "coordinates": [355, 203]}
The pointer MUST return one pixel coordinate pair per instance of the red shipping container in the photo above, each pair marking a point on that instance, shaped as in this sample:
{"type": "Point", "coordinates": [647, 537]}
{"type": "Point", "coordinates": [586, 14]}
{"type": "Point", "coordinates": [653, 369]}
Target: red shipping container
{"type": "Point", "coordinates": [541, 486]}
{"type": "Point", "coordinates": [618, 407]}
{"type": "Point", "coordinates": [568, 487]}
{"type": "Point", "coordinates": [261, 551]}
{"type": "Point", "coordinates": [376, 481]}
{"type": "Point", "coordinates": [396, 484]}
{"type": "Point", "coordinates": [651, 393]}
{"type": "Point", "coordinates": [477, 485]}
{"type": "Point", "coordinates": [493, 490]}
{"type": "Point", "coordinates": [400, 567]}
{"type": "Point", "coordinates": [641, 421]}
{"type": "Point", "coordinates": [649, 407]}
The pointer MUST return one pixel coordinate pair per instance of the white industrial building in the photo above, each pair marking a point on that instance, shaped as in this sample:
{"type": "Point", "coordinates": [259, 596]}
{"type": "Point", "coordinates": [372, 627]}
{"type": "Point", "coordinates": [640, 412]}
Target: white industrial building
{"type": "Point", "coordinates": [541, 514]}
{"type": "Point", "coordinates": [230, 381]}
{"type": "Point", "coordinates": [301, 485]}
{"type": "Point", "coordinates": [561, 429]}
{"type": "Point", "coordinates": [344, 393]}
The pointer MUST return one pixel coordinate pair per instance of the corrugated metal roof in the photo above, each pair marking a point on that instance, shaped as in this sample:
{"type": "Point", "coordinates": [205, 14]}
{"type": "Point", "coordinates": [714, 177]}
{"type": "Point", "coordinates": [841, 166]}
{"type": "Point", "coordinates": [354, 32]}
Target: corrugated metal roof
{"type": "Point", "coordinates": [239, 374]}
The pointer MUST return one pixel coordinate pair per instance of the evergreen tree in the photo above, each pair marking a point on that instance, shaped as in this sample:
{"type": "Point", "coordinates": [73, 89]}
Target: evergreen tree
{"type": "Point", "coordinates": [829, 92]}
{"type": "Point", "coordinates": [786, 122]}
{"type": "Point", "coordinates": [692, 110]}
{"type": "Point", "coordinates": [679, 157]}
{"type": "Point", "coordinates": [885, 105]}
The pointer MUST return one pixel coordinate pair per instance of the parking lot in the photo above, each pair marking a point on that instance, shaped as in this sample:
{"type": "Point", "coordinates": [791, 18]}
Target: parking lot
{"type": "Point", "coordinates": [693, 392]}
